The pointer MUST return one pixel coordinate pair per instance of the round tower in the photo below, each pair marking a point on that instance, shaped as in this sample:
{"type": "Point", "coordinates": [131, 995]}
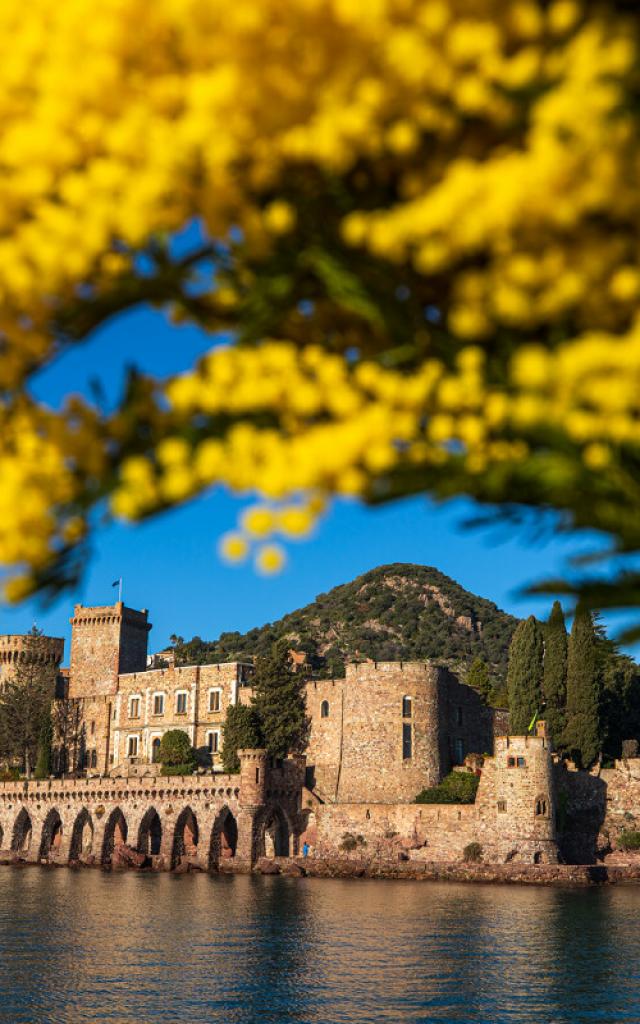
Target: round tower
{"type": "Point", "coordinates": [253, 777]}
{"type": "Point", "coordinates": [525, 805]}
{"type": "Point", "coordinates": [21, 653]}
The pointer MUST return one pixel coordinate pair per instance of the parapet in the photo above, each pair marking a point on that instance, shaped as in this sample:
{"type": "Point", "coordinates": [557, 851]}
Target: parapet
{"type": "Point", "coordinates": [93, 615]}
{"type": "Point", "coordinates": [530, 743]}
{"type": "Point", "coordinates": [29, 649]}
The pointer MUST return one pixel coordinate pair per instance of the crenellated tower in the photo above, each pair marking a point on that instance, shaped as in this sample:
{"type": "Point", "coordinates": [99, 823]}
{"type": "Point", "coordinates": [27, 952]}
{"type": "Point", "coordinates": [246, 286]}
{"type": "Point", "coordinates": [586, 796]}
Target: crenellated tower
{"type": "Point", "coordinates": [106, 641]}
{"type": "Point", "coordinates": [21, 652]}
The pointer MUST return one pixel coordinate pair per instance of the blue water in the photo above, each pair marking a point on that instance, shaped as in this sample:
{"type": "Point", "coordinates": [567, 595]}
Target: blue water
{"type": "Point", "coordinates": [85, 946]}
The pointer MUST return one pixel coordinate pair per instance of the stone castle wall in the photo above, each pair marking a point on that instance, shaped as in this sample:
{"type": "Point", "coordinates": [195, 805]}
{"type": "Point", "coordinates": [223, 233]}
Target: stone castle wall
{"type": "Point", "coordinates": [106, 641]}
{"type": "Point", "coordinates": [21, 653]}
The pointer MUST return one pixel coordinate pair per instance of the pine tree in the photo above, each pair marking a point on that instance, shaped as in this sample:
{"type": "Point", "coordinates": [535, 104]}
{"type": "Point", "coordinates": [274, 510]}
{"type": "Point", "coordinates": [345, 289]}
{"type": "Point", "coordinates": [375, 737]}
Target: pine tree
{"type": "Point", "coordinates": [25, 706]}
{"type": "Point", "coordinates": [524, 675]}
{"type": "Point", "coordinates": [478, 677]}
{"type": "Point", "coordinates": [241, 730]}
{"type": "Point", "coordinates": [584, 682]}
{"type": "Point", "coordinates": [279, 700]}
{"type": "Point", "coordinates": [554, 679]}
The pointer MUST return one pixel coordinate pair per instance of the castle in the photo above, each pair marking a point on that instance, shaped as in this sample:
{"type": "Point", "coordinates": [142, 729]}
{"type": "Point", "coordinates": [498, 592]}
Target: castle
{"type": "Point", "coordinates": [378, 737]}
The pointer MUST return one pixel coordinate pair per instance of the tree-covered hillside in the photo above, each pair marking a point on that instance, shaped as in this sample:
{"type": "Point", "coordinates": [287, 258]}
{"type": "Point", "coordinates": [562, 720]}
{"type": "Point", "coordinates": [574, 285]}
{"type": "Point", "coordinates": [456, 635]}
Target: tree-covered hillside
{"type": "Point", "coordinates": [392, 613]}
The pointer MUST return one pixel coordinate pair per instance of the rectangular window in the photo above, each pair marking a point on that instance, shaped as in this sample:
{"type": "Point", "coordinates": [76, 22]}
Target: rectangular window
{"type": "Point", "coordinates": [213, 742]}
{"type": "Point", "coordinates": [502, 806]}
{"type": "Point", "coordinates": [511, 762]}
{"type": "Point", "coordinates": [158, 704]}
{"type": "Point", "coordinates": [407, 742]}
{"type": "Point", "coordinates": [522, 762]}
{"type": "Point", "coordinates": [94, 758]}
{"type": "Point", "coordinates": [458, 750]}
{"type": "Point", "coordinates": [132, 746]}
{"type": "Point", "coordinates": [134, 707]}
{"type": "Point", "coordinates": [93, 728]}
{"type": "Point", "coordinates": [181, 704]}
{"type": "Point", "coordinates": [214, 700]}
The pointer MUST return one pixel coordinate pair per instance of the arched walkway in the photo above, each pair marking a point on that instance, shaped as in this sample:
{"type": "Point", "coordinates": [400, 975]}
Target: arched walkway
{"type": "Point", "coordinates": [224, 838]}
{"type": "Point", "coordinates": [150, 833]}
{"type": "Point", "coordinates": [273, 834]}
{"type": "Point", "coordinates": [81, 836]}
{"type": "Point", "coordinates": [115, 834]}
{"type": "Point", "coordinates": [51, 838]}
{"type": "Point", "coordinates": [185, 837]}
{"type": "Point", "coordinates": [22, 829]}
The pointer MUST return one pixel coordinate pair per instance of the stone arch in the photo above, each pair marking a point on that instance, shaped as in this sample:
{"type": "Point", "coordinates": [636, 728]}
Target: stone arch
{"type": "Point", "coordinates": [150, 833]}
{"type": "Point", "coordinates": [81, 836]}
{"type": "Point", "coordinates": [115, 834]}
{"type": "Point", "coordinates": [51, 838]}
{"type": "Point", "coordinates": [273, 833]}
{"type": "Point", "coordinates": [324, 709]}
{"type": "Point", "coordinates": [22, 831]}
{"type": "Point", "coordinates": [224, 838]}
{"type": "Point", "coordinates": [185, 836]}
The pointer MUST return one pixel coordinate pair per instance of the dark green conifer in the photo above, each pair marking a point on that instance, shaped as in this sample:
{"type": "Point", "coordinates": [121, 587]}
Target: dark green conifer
{"type": "Point", "coordinates": [524, 675]}
{"type": "Point", "coordinates": [478, 677]}
{"type": "Point", "coordinates": [554, 679]}
{"type": "Point", "coordinates": [584, 682]}
{"type": "Point", "coordinates": [279, 699]}
{"type": "Point", "coordinates": [241, 731]}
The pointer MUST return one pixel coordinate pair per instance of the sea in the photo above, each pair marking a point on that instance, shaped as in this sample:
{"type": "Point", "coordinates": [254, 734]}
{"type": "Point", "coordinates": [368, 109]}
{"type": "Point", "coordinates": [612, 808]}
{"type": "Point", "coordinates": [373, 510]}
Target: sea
{"type": "Point", "coordinates": [84, 945]}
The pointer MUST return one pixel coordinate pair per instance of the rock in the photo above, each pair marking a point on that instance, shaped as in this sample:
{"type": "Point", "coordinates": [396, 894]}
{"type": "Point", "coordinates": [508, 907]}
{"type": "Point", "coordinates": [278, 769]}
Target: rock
{"type": "Point", "coordinates": [267, 867]}
{"type": "Point", "coordinates": [125, 856]}
{"type": "Point", "coordinates": [294, 870]}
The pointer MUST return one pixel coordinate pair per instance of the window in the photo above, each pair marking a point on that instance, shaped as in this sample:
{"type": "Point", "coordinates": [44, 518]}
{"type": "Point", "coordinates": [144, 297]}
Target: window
{"type": "Point", "coordinates": [511, 762]}
{"type": "Point", "coordinates": [458, 751]}
{"type": "Point", "coordinates": [516, 762]}
{"type": "Point", "coordinates": [522, 762]}
{"type": "Point", "coordinates": [542, 810]}
{"type": "Point", "coordinates": [134, 707]}
{"type": "Point", "coordinates": [459, 715]}
{"type": "Point", "coordinates": [502, 806]}
{"type": "Point", "coordinates": [93, 728]}
{"type": "Point", "coordinates": [406, 707]}
{"type": "Point", "coordinates": [132, 746]}
{"type": "Point", "coordinates": [213, 741]}
{"type": "Point", "coordinates": [155, 749]}
{"type": "Point", "coordinates": [158, 703]}
{"type": "Point", "coordinates": [407, 742]}
{"type": "Point", "coordinates": [181, 703]}
{"type": "Point", "coordinates": [214, 700]}
{"type": "Point", "coordinates": [94, 758]}
{"type": "Point", "coordinates": [324, 709]}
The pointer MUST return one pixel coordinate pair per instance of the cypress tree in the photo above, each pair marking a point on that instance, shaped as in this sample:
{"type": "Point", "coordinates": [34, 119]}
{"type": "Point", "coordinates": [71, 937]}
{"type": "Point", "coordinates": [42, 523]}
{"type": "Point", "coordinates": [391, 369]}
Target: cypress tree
{"type": "Point", "coordinates": [43, 758]}
{"type": "Point", "coordinates": [554, 679]}
{"type": "Point", "coordinates": [582, 733]}
{"type": "Point", "coordinates": [241, 730]}
{"type": "Point", "coordinates": [478, 677]}
{"type": "Point", "coordinates": [280, 702]}
{"type": "Point", "coordinates": [524, 675]}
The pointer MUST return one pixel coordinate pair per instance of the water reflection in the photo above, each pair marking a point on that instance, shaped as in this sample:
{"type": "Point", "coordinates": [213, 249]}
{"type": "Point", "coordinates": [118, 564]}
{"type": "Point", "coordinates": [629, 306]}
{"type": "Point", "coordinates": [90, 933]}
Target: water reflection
{"type": "Point", "coordinates": [84, 946]}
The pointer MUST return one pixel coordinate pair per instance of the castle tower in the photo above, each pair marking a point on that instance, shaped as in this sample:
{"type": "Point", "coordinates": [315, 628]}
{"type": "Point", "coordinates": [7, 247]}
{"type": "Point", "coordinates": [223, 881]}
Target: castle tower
{"type": "Point", "coordinates": [106, 640]}
{"type": "Point", "coordinates": [253, 776]}
{"type": "Point", "coordinates": [19, 653]}
{"type": "Point", "coordinates": [517, 792]}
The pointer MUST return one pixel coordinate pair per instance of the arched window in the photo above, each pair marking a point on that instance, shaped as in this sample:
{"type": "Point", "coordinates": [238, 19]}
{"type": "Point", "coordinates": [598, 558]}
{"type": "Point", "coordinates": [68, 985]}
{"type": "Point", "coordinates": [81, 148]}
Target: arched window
{"type": "Point", "coordinates": [407, 707]}
{"type": "Point", "coordinates": [542, 809]}
{"type": "Point", "coordinates": [155, 749]}
{"type": "Point", "coordinates": [324, 709]}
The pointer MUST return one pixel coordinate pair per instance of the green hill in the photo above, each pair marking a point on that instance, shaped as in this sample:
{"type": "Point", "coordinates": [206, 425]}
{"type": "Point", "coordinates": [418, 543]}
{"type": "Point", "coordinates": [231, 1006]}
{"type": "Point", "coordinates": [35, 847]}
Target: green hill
{"type": "Point", "coordinates": [393, 613]}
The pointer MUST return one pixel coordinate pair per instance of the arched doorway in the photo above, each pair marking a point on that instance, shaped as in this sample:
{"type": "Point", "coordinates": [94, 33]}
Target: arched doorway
{"type": "Point", "coordinates": [224, 838]}
{"type": "Point", "coordinates": [150, 834]}
{"type": "Point", "coordinates": [273, 834]}
{"type": "Point", "coordinates": [115, 834]}
{"type": "Point", "coordinates": [185, 837]}
{"type": "Point", "coordinates": [81, 836]}
{"type": "Point", "coordinates": [51, 839]}
{"type": "Point", "coordinates": [22, 829]}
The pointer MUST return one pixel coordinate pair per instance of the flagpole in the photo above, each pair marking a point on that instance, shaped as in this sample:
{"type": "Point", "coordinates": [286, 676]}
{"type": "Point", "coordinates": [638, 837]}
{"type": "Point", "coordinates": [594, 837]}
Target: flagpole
{"type": "Point", "coordinates": [120, 590]}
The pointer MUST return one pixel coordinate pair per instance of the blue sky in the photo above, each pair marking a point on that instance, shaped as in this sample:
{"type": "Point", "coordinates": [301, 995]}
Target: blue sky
{"type": "Point", "coordinates": [170, 565]}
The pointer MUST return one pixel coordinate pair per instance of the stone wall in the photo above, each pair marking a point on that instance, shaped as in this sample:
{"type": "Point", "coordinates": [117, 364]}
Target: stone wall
{"type": "Point", "coordinates": [105, 641]}
{"type": "Point", "coordinates": [41, 654]}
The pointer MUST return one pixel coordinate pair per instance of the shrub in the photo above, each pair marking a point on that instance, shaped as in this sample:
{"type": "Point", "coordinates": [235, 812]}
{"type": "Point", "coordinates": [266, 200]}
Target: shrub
{"type": "Point", "coordinates": [176, 751]}
{"type": "Point", "coordinates": [9, 775]}
{"type": "Point", "coordinates": [241, 730]}
{"type": "Point", "coordinates": [456, 788]}
{"type": "Point", "coordinates": [629, 841]}
{"type": "Point", "coordinates": [630, 748]}
{"type": "Point", "coordinates": [179, 769]}
{"type": "Point", "coordinates": [351, 842]}
{"type": "Point", "coordinates": [472, 853]}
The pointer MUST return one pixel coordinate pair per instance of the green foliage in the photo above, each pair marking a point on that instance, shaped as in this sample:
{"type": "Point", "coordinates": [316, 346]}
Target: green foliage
{"type": "Point", "coordinates": [176, 752]}
{"type": "Point", "coordinates": [554, 679]}
{"type": "Point", "coordinates": [390, 613]}
{"type": "Point", "coordinates": [179, 769]}
{"type": "Point", "coordinates": [629, 841]}
{"type": "Point", "coordinates": [43, 759]}
{"type": "Point", "coordinates": [619, 703]}
{"type": "Point", "coordinates": [583, 738]}
{"type": "Point", "coordinates": [241, 730]}
{"type": "Point", "coordinates": [479, 677]}
{"type": "Point", "coordinates": [455, 788]}
{"type": "Point", "coordinates": [25, 707]}
{"type": "Point", "coordinates": [9, 775]}
{"type": "Point", "coordinates": [351, 842]}
{"type": "Point", "coordinates": [472, 853]}
{"type": "Point", "coordinates": [524, 675]}
{"type": "Point", "coordinates": [280, 702]}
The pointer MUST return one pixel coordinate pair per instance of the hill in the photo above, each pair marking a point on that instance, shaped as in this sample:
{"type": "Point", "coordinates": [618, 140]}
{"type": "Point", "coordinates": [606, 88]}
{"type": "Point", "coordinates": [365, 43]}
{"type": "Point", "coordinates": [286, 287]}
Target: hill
{"type": "Point", "coordinates": [393, 613]}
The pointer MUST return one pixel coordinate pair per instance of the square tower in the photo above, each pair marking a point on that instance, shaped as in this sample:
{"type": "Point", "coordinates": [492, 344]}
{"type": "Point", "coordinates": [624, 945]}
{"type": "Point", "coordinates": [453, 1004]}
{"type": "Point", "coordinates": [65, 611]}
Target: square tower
{"type": "Point", "coordinates": [106, 640]}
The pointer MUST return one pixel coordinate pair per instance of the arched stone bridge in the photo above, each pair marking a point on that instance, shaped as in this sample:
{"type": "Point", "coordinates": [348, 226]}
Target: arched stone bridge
{"type": "Point", "coordinates": [165, 822]}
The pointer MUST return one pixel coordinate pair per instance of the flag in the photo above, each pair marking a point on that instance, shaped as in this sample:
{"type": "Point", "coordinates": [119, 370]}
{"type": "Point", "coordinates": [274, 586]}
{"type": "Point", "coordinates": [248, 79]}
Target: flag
{"type": "Point", "coordinates": [533, 722]}
{"type": "Point", "coordinates": [116, 583]}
